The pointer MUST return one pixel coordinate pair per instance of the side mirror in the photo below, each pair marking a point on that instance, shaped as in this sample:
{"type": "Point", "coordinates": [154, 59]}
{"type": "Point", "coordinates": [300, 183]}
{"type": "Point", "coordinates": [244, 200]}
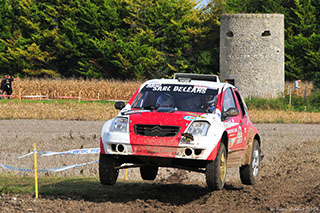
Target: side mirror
{"type": "Point", "coordinates": [231, 112]}
{"type": "Point", "coordinates": [119, 105]}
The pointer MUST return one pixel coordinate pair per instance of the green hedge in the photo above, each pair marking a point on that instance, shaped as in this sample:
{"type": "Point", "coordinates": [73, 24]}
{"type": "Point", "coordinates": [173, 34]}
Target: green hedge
{"type": "Point", "coordinates": [309, 104]}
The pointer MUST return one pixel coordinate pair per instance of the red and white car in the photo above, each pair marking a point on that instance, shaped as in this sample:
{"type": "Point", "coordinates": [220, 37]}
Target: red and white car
{"type": "Point", "coordinates": [192, 122]}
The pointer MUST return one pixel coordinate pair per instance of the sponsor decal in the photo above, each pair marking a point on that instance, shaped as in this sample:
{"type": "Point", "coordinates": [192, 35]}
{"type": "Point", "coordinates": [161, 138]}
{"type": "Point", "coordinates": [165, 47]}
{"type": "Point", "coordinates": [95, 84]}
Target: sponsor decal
{"type": "Point", "coordinates": [230, 123]}
{"type": "Point", "coordinates": [178, 88]}
{"type": "Point", "coordinates": [195, 115]}
{"type": "Point", "coordinates": [140, 96]}
{"type": "Point", "coordinates": [239, 136]}
{"type": "Point", "coordinates": [190, 89]}
{"type": "Point", "coordinates": [189, 118]}
{"type": "Point", "coordinates": [215, 88]}
{"type": "Point", "coordinates": [234, 130]}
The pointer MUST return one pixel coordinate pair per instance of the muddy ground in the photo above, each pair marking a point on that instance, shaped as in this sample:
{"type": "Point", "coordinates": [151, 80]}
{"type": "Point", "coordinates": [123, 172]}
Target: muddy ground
{"type": "Point", "coordinates": [289, 178]}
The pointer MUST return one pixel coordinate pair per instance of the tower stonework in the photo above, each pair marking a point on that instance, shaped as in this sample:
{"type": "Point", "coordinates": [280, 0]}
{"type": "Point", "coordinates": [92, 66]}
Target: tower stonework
{"type": "Point", "coordinates": [252, 53]}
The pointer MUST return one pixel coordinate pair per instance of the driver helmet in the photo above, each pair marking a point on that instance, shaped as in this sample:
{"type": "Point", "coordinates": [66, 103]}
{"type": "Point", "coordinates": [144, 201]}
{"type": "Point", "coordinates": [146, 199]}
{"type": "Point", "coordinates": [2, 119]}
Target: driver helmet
{"type": "Point", "coordinates": [206, 100]}
{"type": "Point", "coordinates": [165, 100]}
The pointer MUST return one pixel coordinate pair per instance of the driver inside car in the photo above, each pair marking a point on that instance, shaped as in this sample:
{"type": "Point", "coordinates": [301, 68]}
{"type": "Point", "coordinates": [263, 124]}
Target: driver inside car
{"type": "Point", "coordinates": [165, 101]}
{"type": "Point", "coordinates": [208, 102]}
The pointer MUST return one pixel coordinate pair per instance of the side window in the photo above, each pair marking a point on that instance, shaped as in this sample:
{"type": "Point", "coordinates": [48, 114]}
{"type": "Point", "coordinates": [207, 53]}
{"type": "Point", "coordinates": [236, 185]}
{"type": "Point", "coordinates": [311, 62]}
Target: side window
{"type": "Point", "coordinates": [228, 101]}
{"type": "Point", "coordinates": [241, 103]}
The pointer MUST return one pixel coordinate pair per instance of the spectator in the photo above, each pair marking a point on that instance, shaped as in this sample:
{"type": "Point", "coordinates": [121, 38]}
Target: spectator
{"type": "Point", "coordinates": [296, 86]}
{"type": "Point", "coordinates": [6, 85]}
{"type": "Point", "coordinates": [3, 82]}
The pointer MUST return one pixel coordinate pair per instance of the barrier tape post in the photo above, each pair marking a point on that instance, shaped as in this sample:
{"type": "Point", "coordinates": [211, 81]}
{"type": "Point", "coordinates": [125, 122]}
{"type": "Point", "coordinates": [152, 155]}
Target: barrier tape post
{"type": "Point", "coordinates": [126, 174]}
{"type": "Point", "coordinates": [79, 97]}
{"type": "Point", "coordinates": [20, 94]}
{"type": "Point", "coordinates": [35, 169]}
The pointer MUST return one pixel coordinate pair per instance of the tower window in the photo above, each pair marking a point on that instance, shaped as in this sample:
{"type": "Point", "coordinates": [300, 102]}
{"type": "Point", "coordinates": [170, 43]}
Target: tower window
{"type": "Point", "coordinates": [230, 34]}
{"type": "Point", "coordinates": [266, 33]}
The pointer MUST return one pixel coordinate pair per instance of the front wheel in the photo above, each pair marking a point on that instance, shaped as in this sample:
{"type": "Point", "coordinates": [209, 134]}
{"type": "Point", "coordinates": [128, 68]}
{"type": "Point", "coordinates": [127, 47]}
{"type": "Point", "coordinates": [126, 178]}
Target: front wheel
{"type": "Point", "coordinates": [249, 173]}
{"type": "Point", "coordinates": [148, 172]}
{"type": "Point", "coordinates": [216, 171]}
{"type": "Point", "coordinates": [107, 173]}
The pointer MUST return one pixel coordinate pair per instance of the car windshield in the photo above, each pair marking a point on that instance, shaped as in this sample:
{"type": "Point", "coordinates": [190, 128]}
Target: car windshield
{"type": "Point", "coordinates": [179, 97]}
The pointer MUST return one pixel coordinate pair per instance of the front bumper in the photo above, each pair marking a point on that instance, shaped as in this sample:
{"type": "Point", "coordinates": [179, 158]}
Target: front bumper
{"type": "Point", "coordinates": [187, 152]}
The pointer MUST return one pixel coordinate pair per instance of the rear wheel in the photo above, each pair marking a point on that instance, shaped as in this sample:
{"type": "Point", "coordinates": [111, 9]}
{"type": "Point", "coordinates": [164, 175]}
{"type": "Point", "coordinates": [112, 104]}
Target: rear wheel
{"type": "Point", "coordinates": [148, 172]}
{"type": "Point", "coordinates": [216, 171]}
{"type": "Point", "coordinates": [249, 173]}
{"type": "Point", "coordinates": [107, 172]}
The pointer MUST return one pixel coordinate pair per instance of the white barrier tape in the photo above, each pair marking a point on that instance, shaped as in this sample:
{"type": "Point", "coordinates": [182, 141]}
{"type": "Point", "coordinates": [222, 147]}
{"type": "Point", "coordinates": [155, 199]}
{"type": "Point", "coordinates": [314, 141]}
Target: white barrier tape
{"type": "Point", "coordinates": [58, 169]}
{"type": "Point", "coordinates": [34, 96]}
{"type": "Point", "coordinates": [15, 168]}
{"type": "Point", "coordinates": [62, 97]}
{"type": "Point", "coordinates": [69, 152]}
{"type": "Point", "coordinates": [72, 152]}
{"type": "Point", "coordinates": [22, 156]}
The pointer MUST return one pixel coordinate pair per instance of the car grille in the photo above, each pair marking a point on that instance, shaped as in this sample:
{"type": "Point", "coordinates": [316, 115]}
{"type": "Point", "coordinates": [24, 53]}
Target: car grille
{"type": "Point", "coordinates": [156, 130]}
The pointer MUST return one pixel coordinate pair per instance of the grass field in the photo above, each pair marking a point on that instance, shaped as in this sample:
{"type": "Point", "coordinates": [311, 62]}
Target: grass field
{"type": "Point", "coordinates": [89, 110]}
{"type": "Point", "coordinates": [56, 110]}
{"type": "Point", "coordinates": [89, 187]}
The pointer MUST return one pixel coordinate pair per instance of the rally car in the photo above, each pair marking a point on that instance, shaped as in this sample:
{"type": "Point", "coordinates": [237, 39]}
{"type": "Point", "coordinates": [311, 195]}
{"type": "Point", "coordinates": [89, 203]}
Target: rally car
{"type": "Point", "coordinates": [193, 122]}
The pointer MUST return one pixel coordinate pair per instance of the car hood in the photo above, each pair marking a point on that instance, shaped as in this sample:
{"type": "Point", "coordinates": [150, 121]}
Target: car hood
{"type": "Point", "coordinates": [176, 118]}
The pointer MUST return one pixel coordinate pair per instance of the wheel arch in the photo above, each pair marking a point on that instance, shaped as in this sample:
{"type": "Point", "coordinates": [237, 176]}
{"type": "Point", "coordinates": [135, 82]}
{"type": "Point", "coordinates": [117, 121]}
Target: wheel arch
{"type": "Point", "coordinates": [225, 141]}
{"type": "Point", "coordinates": [257, 137]}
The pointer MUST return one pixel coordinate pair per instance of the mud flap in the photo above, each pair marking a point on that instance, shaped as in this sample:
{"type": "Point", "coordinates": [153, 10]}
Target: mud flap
{"type": "Point", "coordinates": [248, 149]}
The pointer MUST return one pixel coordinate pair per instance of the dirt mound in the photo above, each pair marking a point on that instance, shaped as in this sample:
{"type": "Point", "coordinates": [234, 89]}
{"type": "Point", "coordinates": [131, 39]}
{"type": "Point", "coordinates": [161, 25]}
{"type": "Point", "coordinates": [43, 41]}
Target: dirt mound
{"type": "Point", "coordinates": [289, 181]}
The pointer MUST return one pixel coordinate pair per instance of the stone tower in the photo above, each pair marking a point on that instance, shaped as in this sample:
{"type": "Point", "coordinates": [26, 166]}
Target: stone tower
{"type": "Point", "coordinates": [252, 53]}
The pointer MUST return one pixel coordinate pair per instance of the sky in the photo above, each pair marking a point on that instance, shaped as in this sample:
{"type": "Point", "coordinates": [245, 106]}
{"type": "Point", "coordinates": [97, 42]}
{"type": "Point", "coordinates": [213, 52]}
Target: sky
{"type": "Point", "coordinates": [202, 2]}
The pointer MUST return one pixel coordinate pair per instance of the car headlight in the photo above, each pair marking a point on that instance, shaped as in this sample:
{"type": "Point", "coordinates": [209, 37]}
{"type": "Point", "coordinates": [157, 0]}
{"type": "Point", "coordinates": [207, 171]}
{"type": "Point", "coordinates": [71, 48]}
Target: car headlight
{"type": "Point", "coordinates": [119, 125]}
{"type": "Point", "coordinates": [199, 128]}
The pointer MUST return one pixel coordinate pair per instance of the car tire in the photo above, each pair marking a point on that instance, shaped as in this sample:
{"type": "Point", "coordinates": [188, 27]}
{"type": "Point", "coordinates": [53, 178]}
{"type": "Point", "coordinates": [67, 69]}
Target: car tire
{"type": "Point", "coordinates": [148, 172]}
{"type": "Point", "coordinates": [249, 173]}
{"type": "Point", "coordinates": [216, 171]}
{"type": "Point", "coordinates": [107, 173]}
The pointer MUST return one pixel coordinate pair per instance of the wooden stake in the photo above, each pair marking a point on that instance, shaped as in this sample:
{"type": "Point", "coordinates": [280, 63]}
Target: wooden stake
{"type": "Point", "coordinates": [20, 94]}
{"type": "Point", "coordinates": [35, 169]}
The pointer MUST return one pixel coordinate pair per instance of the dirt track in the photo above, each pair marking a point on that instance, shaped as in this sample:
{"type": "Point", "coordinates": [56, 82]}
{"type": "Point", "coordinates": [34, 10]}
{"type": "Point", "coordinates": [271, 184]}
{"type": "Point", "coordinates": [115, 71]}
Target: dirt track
{"type": "Point", "coordinates": [289, 178]}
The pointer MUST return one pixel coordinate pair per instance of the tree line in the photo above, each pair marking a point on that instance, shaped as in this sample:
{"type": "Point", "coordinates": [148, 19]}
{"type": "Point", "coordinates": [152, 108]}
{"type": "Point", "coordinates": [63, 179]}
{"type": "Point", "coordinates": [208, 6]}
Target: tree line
{"type": "Point", "coordinates": [138, 39]}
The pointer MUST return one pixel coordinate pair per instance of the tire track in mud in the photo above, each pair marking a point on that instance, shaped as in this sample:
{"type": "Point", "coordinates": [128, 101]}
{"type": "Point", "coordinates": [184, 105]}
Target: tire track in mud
{"type": "Point", "coordinates": [290, 182]}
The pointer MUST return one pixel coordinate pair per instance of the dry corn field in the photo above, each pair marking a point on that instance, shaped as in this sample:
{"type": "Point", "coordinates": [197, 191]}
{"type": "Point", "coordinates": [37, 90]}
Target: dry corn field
{"type": "Point", "coordinates": [73, 88]}
{"type": "Point", "coordinates": [99, 89]}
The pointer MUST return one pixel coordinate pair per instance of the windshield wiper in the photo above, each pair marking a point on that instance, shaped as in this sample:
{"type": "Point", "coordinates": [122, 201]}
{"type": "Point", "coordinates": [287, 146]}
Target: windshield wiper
{"type": "Point", "coordinates": [138, 110]}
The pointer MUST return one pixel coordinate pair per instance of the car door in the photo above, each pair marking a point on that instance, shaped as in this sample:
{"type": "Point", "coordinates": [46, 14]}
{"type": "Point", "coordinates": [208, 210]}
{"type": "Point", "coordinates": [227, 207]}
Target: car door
{"type": "Point", "coordinates": [234, 125]}
{"type": "Point", "coordinates": [242, 140]}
